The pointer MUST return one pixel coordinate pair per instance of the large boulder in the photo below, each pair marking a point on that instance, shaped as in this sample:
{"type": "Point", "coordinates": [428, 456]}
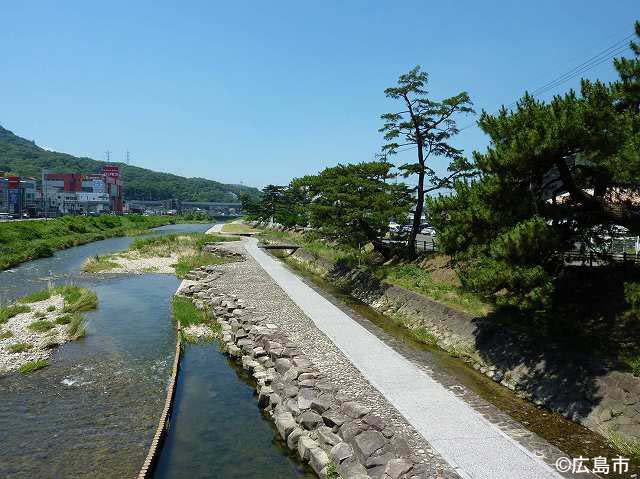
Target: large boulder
{"type": "Point", "coordinates": [285, 424]}
{"type": "Point", "coordinates": [310, 420]}
{"type": "Point", "coordinates": [368, 442]}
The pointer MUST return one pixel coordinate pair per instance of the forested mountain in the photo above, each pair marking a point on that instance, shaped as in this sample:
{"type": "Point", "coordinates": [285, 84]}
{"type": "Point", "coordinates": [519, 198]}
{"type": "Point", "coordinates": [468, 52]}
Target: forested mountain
{"type": "Point", "coordinates": [23, 157]}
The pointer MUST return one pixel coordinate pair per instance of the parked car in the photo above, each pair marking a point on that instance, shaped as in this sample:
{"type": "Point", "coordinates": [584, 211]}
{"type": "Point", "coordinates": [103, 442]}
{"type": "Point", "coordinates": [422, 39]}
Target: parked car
{"type": "Point", "coordinates": [427, 229]}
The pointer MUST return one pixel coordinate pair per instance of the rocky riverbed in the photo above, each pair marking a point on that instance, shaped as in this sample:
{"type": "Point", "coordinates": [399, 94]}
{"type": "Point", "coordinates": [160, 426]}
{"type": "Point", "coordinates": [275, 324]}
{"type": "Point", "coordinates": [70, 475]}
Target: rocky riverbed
{"type": "Point", "coordinates": [20, 343]}
{"type": "Point", "coordinates": [326, 411]}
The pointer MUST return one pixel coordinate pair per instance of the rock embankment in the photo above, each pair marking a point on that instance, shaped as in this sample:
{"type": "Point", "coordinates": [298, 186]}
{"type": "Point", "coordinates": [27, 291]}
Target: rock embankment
{"type": "Point", "coordinates": [314, 414]}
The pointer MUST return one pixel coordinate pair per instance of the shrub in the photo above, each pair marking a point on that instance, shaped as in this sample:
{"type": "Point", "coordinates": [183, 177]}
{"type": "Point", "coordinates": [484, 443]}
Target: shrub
{"type": "Point", "coordinates": [632, 295]}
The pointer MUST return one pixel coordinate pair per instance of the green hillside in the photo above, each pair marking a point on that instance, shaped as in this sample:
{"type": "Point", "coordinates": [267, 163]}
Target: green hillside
{"type": "Point", "coordinates": [23, 157]}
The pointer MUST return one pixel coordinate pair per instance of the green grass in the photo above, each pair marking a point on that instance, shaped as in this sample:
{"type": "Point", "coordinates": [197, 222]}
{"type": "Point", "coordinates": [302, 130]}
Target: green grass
{"type": "Point", "coordinates": [6, 334]}
{"type": "Point", "coordinates": [51, 308]}
{"type": "Point", "coordinates": [37, 296]}
{"type": "Point", "coordinates": [31, 366]}
{"type": "Point", "coordinates": [77, 299]}
{"type": "Point", "coordinates": [626, 446]}
{"type": "Point", "coordinates": [8, 312]}
{"type": "Point", "coordinates": [26, 240]}
{"type": "Point", "coordinates": [633, 363]}
{"type": "Point", "coordinates": [186, 313]}
{"type": "Point", "coordinates": [415, 278]}
{"type": "Point", "coordinates": [64, 319]}
{"type": "Point", "coordinates": [39, 315]}
{"type": "Point", "coordinates": [99, 264]}
{"type": "Point", "coordinates": [19, 347]}
{"type": "Point", "coordinates": [188, 263]}
{"type": "Point", "coordinates": [76, 326]}
{"type": "Point", "coordinates": [41, 326]}
{"type": "Point", "coordinates": [238, 228]}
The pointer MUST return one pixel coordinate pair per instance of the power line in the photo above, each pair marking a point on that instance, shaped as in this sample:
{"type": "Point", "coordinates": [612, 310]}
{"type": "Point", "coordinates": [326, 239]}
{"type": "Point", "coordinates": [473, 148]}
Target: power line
{"type": "Point", "coordinates": [605, 55]}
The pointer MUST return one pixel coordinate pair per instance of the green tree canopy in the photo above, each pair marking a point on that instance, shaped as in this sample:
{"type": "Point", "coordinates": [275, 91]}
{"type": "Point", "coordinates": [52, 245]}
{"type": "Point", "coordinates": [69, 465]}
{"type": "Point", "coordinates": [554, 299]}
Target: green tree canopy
{"type": "Point", "coordinates": [354, 204]}
{"type": "Point", "coordinates": [554, 174]}
{"type": "Point", "coordinates": [428, 125]}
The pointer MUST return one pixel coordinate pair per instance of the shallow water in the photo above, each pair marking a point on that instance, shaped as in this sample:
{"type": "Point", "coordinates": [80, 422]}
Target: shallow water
{"type": "Point", "coordinates": [217, 429]}
{"type": "Point", "coordinates": [93, 411]}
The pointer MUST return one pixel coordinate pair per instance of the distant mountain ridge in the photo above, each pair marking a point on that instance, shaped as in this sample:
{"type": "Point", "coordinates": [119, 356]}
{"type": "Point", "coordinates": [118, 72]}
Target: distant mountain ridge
{"type": "Point", "coordinates": [23, 157]}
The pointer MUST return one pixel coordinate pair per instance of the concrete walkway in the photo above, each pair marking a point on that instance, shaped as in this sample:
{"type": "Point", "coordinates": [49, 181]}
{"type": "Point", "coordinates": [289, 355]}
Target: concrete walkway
{"type": "Point", "coordinates": [467, 441]}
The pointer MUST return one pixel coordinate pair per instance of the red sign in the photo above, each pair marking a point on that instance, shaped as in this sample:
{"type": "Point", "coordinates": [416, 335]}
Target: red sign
{"type": "Point", "coordinates": [14, 182]}
{"type": "Point", "coordinates": [111, 171]}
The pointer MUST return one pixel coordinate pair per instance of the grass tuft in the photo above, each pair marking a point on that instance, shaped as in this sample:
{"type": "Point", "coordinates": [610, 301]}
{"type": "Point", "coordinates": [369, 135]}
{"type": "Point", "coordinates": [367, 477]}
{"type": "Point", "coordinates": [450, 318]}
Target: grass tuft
{"type": "Point", "coordinates": [31, 366]}
{"type": "Point", "coordinates": [186, 313]}
{"type": "Point", "coordinates": [628, 447]}
{"type": "Point", "coordinates": [41, 326]}
{"type": "Point", "coordinates": [36, 296]}
{"type": "Point", "coordinates": [51, 308]}
{"type": "Point", "coordinates": [64, 319]}
{"type": "Point", "coordinates": [99, 264]}
{"type": "Point", "coordinates": [77, 299]}
{"type": "Point", "coordinates": [6, 334]}
{"type": "Point", "coordinates": [8, 312]}
{"type": "Point", "coordinates": [188, 263]}
{"type": "Point", "coordinates": [76, 328]}
{"type": "Point", "coordinates": [19, 347]}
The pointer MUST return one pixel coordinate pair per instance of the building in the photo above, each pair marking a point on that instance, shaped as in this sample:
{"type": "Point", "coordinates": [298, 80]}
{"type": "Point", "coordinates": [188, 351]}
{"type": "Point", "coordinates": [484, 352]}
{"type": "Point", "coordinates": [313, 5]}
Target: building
{"type": "Point", "coordinates": [18, 196]}
{"type": "Point", "coordinates": [79, 193]}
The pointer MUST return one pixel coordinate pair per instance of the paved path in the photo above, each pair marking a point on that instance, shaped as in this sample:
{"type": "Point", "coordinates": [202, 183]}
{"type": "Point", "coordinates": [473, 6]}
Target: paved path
{"type": "Point", "coordinates": [467, 441]}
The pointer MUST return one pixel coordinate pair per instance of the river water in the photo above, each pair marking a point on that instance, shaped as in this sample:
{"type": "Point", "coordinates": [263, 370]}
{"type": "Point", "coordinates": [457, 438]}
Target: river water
{"type": "Point", "coordinates": [93, 411]}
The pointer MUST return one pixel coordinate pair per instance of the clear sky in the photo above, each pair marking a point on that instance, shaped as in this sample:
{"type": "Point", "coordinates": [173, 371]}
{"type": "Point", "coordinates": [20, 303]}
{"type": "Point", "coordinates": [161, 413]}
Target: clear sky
{"type": "Point", "coordinates": [260, 92]}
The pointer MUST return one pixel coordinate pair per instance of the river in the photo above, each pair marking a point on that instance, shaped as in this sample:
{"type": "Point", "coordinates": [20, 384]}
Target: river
{"type": "Point", "coordinates": [93, 412]}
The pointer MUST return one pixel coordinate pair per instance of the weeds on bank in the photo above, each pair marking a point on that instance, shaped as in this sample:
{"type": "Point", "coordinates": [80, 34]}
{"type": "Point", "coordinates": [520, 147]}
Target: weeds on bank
{"type": "Point", "coordinates": [41, 326]}
{"type": "Point", "coordinates": [238, 228]}
{"type": "Point", "coordinates": [186, 314]}
{"type": "Point", "coordinates": [76, 326]}
{"type": "Point", "coordinates": [19, 347]}
{"type": "Point", "coordinates": [6, 334]}
{"type": "Point", "coordinates": [98, 264]}
{"type": "Point", "coordinates": [188, 263]}
{"type": "Point", "coordinates": [31, 366]}
{"type": "Point", "coordinates": [8, 312]}
{"type": "Point", "coordinates": [415, 278]}
{"type": "Point", "coordinates": [36, 296]}
{"type": "Point", "coordinates": [77, 299]}
{"type": "Point", "coordinates": [627, 447]}
{"type": "Point", "coordinates": [633, 363]}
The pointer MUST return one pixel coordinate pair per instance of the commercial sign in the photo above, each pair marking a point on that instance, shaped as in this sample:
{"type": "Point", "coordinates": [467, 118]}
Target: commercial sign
{"type": "Point", "coordinates": [111, 171]}
{"type": "Point", "coordinates": [14, 197]}
{"type": "Point", "coordinates": [14, 182]}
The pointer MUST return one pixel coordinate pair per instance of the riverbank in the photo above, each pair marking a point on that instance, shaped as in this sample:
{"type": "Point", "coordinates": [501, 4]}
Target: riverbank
{"type": "Point", "coordinates": [600, 399]}
{"type": "Point", "coordinates": [22, 241]}
{"type": "Point", "coordinates": [326, 411]}
{"type": "Point", "coordinates": [35, 325]}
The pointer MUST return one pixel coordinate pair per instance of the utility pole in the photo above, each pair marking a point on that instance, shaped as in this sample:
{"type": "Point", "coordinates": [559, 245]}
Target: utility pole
{"type": "Point", "coordinates": [127, 158]}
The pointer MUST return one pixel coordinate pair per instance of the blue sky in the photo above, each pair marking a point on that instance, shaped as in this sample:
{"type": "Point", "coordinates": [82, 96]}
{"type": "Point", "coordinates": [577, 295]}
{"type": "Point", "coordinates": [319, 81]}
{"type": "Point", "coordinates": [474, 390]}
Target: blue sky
{"type": "Point", "coordinates": [260, 92]}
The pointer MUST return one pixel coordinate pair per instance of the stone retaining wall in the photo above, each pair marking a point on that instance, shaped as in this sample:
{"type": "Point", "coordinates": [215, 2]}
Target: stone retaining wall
{"type": "Point", "coordinates": [577, 386]}
{"type": "Point", "coordinates": [319, 424]}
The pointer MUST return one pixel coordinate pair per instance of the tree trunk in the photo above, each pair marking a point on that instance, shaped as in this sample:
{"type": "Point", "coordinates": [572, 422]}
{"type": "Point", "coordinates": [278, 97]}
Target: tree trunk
{"type": "Point", "coordinates": [417, 214]}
